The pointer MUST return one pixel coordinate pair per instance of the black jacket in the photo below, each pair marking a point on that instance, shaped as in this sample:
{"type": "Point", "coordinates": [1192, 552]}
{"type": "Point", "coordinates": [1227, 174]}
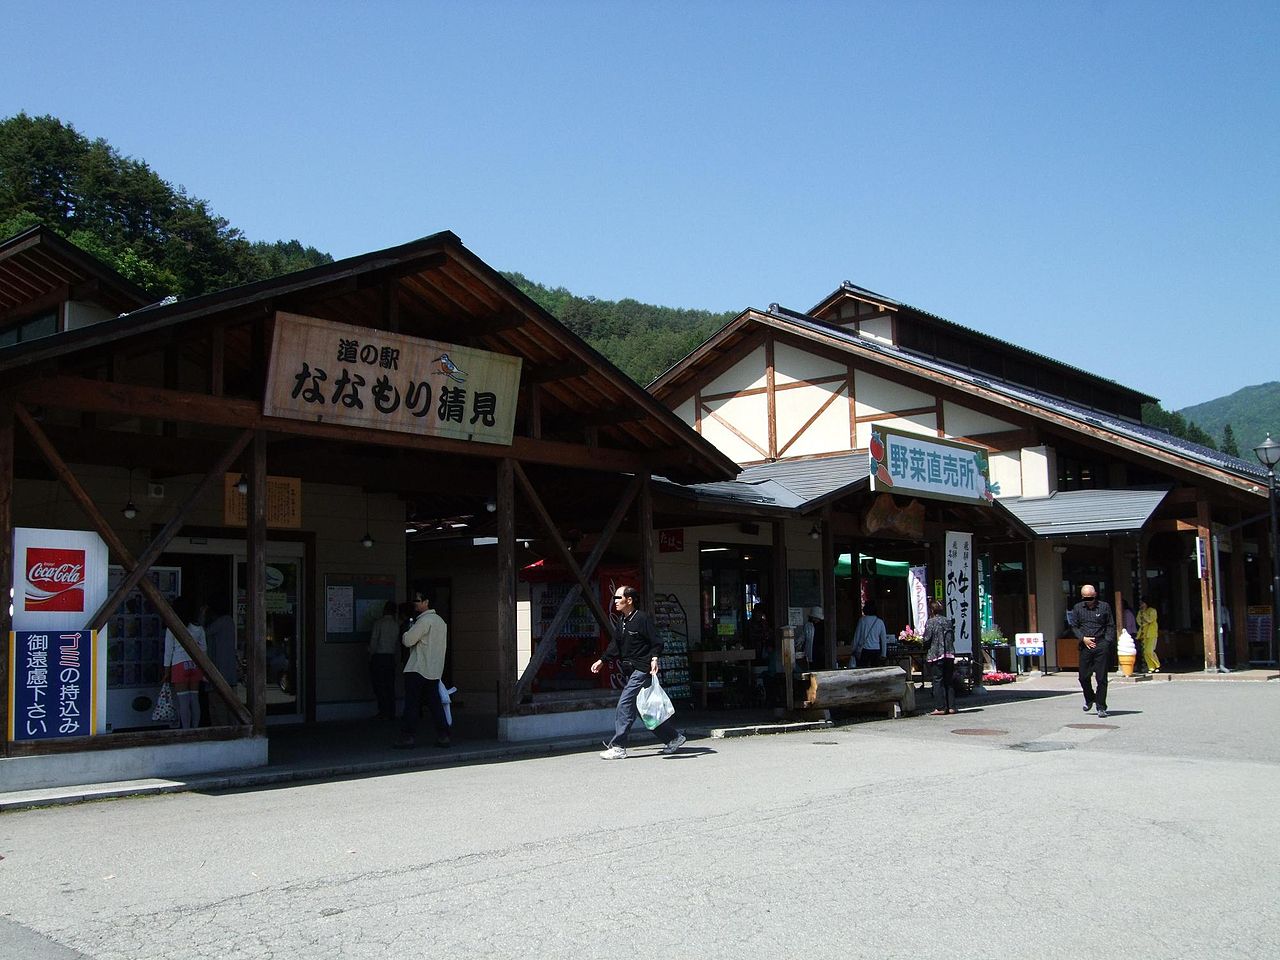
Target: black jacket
{"type": "Point", "coordinates": [1098, 623]}
{"type": "Point", "coordinates": [634, 642]}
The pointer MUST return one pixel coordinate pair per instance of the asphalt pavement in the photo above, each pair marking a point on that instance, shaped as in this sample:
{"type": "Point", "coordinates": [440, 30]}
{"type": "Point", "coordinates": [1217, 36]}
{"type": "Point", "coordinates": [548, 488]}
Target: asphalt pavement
{"type": "Point", "coordinates": [1021, 827]}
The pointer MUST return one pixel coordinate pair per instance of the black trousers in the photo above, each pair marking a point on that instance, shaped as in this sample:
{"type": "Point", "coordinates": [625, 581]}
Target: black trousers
{"type": "Point", "coordinates": [944, 683]}
{"type": "Point", "coordinates": [382, 675]}
{"type": "Point", "coordinates": [1093, 670]}
{"type": "Point", "coordinates": [418, 689]}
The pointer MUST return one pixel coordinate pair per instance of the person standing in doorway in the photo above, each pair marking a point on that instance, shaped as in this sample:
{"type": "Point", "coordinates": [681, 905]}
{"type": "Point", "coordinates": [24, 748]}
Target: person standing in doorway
{"type": "Point", "coordinates": [1095, 627]}
{"type": "Point", "coordinates": [220, 636]}
{"type": "Point", "coordinates": [427, 640]}
{"type": "Point", "coordinates": [382, 660]}
{"type": "Point", "coordinates": [636, 645]}
{"type": "Point", "coordinates": [815, 639]}
{"type": "Point", "coordinates": [1148, 630]}
{"type": "Point", "coordinates": [180, 670]}
{"type": "Point", "coordinates": [870, 638]}
{"type": "Point", "coordinates": [940, 654]}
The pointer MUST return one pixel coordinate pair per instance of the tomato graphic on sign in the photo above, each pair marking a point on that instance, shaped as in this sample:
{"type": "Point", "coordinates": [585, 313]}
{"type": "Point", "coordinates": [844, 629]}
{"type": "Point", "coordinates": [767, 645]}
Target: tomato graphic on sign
{"type": "Point", "coordinates": [878, 466]}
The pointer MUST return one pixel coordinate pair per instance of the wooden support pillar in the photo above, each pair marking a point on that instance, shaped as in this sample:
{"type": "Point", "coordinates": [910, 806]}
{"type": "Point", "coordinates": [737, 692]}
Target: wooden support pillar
{"type": "Point", "coordinates": [1118, 580]}
{"type": "Point", "coordinates": [1208, 608]}
{"type": "Point", "coordinates": [6, 559]}
{"type": "Point", "coordinates": [1033, 611]}
{"type": "Point", "coordinates": [256, 614]}
{"type": "Point", "coordinates": [779, 610]}
{"type": "Point", "coordinates": [644, 522]}
{"type": "Point", "coordinates": [1238, 604]}
{"type": "Point", "coordinates": [828, 590]}
{"type": "Point", "coordinates": [506, 517]}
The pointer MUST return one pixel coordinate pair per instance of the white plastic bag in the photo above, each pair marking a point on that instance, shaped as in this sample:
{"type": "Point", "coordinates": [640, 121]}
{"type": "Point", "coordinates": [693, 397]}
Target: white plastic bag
{"type": "Point", "coordinates": [445, 701]}
{"type": "Point", "coordinates": [654, 704]}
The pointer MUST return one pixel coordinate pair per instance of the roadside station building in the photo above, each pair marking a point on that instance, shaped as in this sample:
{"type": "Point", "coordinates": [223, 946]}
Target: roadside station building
{"type": "Point", "coordinates": [856, 420]}
{"type": "Point", "coordinates": [307, 448]}
{"type": "Point", "coordinates": [278, 447]}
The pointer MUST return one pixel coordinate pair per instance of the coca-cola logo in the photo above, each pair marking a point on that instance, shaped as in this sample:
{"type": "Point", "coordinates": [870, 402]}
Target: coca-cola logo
{"type": "Point", "coordinates": [55, 580]}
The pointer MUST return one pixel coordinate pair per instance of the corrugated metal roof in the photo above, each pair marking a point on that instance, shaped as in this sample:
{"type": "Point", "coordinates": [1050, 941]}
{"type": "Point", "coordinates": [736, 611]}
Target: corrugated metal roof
{"type": "Point", "coordinates": [1098, 418]}
{"type": "Point", "coordinates": [812, 479]}
{"type": "Point", "coordinates": [786, 484]}
{"type": "Point", "coordinates": [1076, 512]}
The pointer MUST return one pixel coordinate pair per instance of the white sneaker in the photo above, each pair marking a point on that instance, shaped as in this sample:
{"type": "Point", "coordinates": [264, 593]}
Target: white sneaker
{"type": "Point", "coordinates": [614, 753]}
{"type": "Point", "coordinates": [675, 744]}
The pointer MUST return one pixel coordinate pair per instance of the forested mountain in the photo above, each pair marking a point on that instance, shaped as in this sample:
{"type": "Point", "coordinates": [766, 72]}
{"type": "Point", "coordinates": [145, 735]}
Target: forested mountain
{"type": "Point", "coordinates": [121, 211]}
{"type": "Point", "coordinates": [642, 339]}
{"type": "Point", "coordinates": [171, 243]}
{"type": "Point", "coordinates": [1250, 413]}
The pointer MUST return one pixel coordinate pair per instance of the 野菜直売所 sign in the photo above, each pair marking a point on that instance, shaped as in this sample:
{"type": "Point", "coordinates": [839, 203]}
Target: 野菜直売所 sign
{"type": "Point", "coordinates": [903, 462]}
{"type": "Point", "coordinates": [329, 372]}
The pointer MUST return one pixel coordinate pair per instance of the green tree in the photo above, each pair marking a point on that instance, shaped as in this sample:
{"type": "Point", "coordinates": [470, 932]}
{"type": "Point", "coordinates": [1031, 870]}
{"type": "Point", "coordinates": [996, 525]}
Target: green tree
{"type": "Point", "coordinates": [1229, 444]}
{"type": "Point", "coordinates": [1170, 421]}
{"type": "Point", "coordinates": [121, 211]}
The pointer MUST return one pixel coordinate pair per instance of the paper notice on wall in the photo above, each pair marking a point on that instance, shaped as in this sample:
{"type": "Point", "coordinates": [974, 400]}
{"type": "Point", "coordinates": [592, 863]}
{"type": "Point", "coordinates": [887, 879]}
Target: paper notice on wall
{"type": "Point", "coordinates": [340, 609]}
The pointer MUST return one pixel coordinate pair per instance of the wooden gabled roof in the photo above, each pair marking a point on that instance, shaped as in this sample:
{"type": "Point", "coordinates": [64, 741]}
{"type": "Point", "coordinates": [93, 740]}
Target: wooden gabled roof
{"type": "Point", "coordinates": [39, 269]}
{"type": "Point", "coordinates": [433, 288]}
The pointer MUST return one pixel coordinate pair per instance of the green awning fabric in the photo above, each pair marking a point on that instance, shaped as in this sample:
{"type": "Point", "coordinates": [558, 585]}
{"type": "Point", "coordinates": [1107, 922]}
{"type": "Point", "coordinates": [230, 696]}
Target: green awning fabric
{"type": "Point", "coordinates": [883, 568]}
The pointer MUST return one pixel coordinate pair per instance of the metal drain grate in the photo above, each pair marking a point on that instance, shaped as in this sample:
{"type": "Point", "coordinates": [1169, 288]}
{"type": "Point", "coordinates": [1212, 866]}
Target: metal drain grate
{"type": "Point", "coordinates": [979, 732]}
{"type": "Point", "coordinates": [826, 743]}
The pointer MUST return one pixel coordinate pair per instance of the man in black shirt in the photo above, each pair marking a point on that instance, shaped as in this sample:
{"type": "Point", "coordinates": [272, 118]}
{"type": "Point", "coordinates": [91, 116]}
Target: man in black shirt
{"type": "Point", "coordinates": [1095, 627]}
{"type": "Point", "coordinates": [637, 648]}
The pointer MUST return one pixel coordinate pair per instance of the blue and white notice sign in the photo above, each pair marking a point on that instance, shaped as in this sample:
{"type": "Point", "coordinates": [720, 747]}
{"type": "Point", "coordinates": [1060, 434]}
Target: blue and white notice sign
{"type": "Point", "coordinates": [1029, 644]}
{"type": "Point", "coordinates": [52, 692]}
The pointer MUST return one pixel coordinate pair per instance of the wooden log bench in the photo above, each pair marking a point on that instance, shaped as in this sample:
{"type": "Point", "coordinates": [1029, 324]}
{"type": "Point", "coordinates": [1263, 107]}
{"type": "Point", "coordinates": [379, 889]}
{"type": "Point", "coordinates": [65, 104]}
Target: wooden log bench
{"type": "Point", "coordinates": [870, 687]}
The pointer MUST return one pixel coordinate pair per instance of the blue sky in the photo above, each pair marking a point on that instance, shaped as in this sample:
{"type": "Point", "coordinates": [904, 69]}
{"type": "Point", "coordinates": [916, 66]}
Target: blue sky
{"type": "Point", "coordinates": [1094, 181]}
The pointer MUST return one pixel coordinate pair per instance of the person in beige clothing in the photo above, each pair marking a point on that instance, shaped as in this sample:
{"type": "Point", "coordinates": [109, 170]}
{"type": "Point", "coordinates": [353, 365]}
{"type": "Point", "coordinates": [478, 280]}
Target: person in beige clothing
{"type": "Point", "coordinates": [427, 639]}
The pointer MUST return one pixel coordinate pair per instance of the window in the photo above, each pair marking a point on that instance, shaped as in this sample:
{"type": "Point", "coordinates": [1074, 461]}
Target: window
{"type": "Point", "coordinates": [44, 325]}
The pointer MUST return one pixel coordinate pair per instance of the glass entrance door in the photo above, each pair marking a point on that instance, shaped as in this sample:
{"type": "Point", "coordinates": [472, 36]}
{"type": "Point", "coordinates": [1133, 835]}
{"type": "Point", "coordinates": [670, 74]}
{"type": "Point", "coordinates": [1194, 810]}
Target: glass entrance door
{"type": "Point", "coordinates": [284, 627]}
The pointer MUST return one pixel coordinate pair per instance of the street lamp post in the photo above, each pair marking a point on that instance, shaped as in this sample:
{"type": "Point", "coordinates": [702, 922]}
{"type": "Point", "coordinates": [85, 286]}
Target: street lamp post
{"type": "Point", "coordinates": [1268, 454]}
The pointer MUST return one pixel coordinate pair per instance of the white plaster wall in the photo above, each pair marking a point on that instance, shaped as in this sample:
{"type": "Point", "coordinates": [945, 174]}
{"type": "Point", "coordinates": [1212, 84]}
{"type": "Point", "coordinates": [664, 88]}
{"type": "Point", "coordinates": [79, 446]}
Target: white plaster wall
{"type": "Point", "coordinates": [924, 423]}
{"type": "Point", "coordinates": [81, 314]}
{"type": "Point", "coordinates": [749, 416]}
{"type": "Point", "coordinates": [830, 432]}
{"type": "Point", "coordinates": [1039, 471]}
{"type": "Point", "coordinates": [880, 329]}
{"type": "Point", "coordinates": [878, 395]}
{"type": "Point", "coordinates": [746, 373]}
{"type": "Point", "coordinates": [687, 412]}
{"type": "Point", "coordinates": [1006, 470]}
{"type": "Point", "coordinates": [791, 364]}
{"type": "Point", "coordinates": [965, 422]}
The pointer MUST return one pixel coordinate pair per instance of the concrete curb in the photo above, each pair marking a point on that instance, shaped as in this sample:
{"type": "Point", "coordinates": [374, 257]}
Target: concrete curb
{"type": "Point", "coordinates": [269, 777]}
{"type": "Point", "coordinates": [724, 733]}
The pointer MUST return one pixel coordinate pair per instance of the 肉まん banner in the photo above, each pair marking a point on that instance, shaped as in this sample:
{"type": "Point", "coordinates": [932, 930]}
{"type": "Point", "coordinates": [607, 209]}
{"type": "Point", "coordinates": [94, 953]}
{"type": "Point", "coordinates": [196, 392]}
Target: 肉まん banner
{"type": "Point", "coordinates": [335, 373]}
{"type": "Point", "coordinates": [59, 581]}
{"type": "Point", "coordinates": [52, 692]}
{"type": "Point", "coordinates": [942, 469]}
{"type": "Point", "coordinates": [959, 587]}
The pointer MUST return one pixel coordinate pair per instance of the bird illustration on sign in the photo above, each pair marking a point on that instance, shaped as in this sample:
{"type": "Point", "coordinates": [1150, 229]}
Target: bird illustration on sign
{"type": "Point", "coordinates": [450, 369]}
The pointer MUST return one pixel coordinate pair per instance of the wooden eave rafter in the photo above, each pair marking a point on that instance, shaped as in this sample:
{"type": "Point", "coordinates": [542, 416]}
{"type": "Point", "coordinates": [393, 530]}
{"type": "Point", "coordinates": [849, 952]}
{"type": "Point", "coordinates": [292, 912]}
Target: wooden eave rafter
{"type": "Point", "coordinates": [442, 291]}
{"type": "Point", "coordinates": [1010, 405]}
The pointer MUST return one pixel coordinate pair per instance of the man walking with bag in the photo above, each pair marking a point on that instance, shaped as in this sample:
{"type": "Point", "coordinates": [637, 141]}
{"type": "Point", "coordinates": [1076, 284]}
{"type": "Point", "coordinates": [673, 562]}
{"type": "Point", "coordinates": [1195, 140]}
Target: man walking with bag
{"type": "Point", "coordinates": [427, 640]}
{"type": "Point", "coordinates": [637, 647]}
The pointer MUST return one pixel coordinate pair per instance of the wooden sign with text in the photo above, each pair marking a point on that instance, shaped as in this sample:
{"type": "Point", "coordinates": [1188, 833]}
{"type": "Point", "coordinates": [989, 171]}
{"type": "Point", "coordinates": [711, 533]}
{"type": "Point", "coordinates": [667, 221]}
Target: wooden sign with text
{"type": "Point", "coordinates": [329, 372]}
